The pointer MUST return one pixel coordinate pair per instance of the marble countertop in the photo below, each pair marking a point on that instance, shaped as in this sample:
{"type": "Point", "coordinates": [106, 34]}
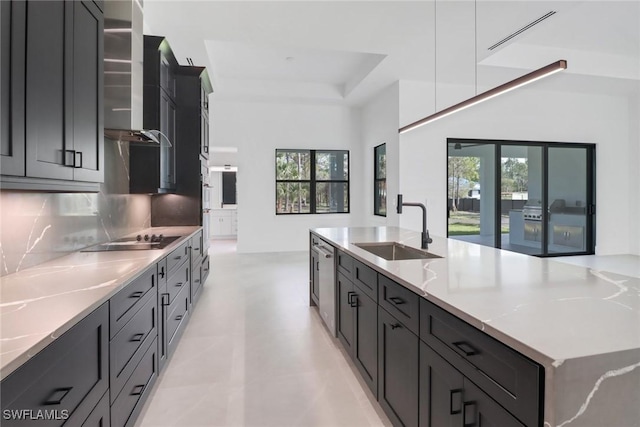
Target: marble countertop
{"type": "Point", "coordinates": [547, 310]}
{"type": "Point", "coordinates": [39, 304]}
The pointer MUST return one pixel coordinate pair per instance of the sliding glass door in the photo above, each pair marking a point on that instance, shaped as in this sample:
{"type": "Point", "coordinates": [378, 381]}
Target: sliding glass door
{"type": "Point", "coordinates": [535, 198]}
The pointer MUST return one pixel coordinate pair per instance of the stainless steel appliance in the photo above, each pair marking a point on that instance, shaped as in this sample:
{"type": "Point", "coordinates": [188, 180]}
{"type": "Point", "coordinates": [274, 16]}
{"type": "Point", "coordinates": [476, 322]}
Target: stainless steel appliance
{"type": "Point", "coordinates": [532, 212]}
{"type": "Point", "coordinates": [326, 284]}
{"type": "Point", "coordinates": [532, 215]}
{"type": "Point", "coordinates": [138, 243]}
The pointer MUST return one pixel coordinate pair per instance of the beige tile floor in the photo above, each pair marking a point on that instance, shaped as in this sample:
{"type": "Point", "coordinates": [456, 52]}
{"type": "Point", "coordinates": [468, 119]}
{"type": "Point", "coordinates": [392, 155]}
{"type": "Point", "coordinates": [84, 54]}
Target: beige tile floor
{"type": "Point", "coordinates": [255, 354]}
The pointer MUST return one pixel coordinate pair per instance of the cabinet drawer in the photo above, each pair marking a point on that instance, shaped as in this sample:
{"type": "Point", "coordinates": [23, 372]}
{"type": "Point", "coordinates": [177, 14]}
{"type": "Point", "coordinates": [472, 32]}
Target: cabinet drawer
{"type": "Point", "coordinates": [510, 378]}
{"type": "Point", "coordinates": [205, 269]}
{"type": "Point", "coordinates": [100, 415]}
{"type": "Point", "coordinates": [196, 282]}
{"type": "Point", "coordinates": [366, 279]}
{"type": "Point", "coordinates": [70, 375]}
{"type": "Point", "coordinates": [400, 302]}
{"type": "Point", "coordinates": [127, 346]}
{"type": "Point", "coordinates": [177, 318]}
{"type": "Point", "coordinates": [127, 406]}
{"type": "Point", "coordinates": [177, 257]}
{"type": "Point", "coordinates": [124, 305]}
{"type": "Point", "coordinates": [196, 245]}
{"type": "Point", "coordinates": [345, 264]}
{"type": "Point", "coordinates": [178, 281]}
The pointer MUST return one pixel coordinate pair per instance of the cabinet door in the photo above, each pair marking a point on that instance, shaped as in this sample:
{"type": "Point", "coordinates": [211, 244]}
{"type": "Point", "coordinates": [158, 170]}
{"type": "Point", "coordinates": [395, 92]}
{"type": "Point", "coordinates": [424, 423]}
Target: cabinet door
{"type": "Point", "coordinates": [88, 132]}
{"type": "Point", "coordinates": [365, 352]}
{"type": "Point", "coordinates": [167, 146]}
{"type": "Point", "coordinates": [397, 370]}
{"type": "Point", "coordinates": [204, 134]}
{"type": "Point", "coordinates": [480, 410]}
{"type": "Point", "coordinates": [49, 83]}
{"type": "Point", "coordinates": [12, 78]}
{"type": "Point", "coordinates": [344, 292]}
{"type": "Point", "coordinates": [441, 391]}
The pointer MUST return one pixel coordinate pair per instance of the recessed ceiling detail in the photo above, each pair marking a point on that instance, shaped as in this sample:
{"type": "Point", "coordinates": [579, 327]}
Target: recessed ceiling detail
{"type": "Point", "coordinates": [338, 72]}
{"type": "Point", "coordinates": [523, 29]}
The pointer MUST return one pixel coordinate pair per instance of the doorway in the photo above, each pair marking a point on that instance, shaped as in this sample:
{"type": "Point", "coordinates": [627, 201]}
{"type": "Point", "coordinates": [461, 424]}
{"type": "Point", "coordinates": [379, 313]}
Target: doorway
{"type": "Point", "coordinates": [535, 198]}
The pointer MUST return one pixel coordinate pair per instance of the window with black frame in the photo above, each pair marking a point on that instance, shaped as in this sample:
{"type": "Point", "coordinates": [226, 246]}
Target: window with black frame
{"type": "Point", "coordinates": [380, 180]}
{"type": "Point", "coordinates": [312, 181]}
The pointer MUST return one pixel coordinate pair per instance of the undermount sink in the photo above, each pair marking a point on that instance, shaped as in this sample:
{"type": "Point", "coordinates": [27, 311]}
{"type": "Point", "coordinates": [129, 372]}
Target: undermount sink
{"type": "Point", "coordinates": [394, 251]}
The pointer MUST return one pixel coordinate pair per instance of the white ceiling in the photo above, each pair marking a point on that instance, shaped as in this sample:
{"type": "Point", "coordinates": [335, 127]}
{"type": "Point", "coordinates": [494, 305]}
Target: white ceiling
{"type": "Point", "coordinates": [346, 51]}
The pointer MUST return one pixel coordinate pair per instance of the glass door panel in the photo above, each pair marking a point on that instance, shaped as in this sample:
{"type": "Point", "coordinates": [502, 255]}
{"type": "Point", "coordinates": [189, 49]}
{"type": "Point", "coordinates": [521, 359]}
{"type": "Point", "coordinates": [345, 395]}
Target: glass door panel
{"type": "Point", "coordinates": [521, 199]}
{"type": "Point", "coordinates": [567, 214]}
{"type": "Point", "coordinates": [471, 192]}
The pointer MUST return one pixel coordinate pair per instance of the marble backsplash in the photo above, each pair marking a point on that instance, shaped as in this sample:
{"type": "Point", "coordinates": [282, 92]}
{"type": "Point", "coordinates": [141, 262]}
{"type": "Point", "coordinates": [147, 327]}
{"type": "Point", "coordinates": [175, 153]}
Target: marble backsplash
{"type": "Point", "coordinates": [37, 227]}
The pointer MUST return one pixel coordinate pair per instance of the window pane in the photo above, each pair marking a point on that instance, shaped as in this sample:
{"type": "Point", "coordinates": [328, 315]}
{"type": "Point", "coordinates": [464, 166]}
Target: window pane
{"type": "Point", "coordinates": [381, 161]}
{"type": "Point", "coordinates": [293, 197]}
{"type": "Point", "coordinates": [381, 198]}
{"type": "Point", "coordinates": [293, 165]}
{"type": "Point", "coordinates": [332, 197]}
{"type": "Point", "coordinates": [332, 165]}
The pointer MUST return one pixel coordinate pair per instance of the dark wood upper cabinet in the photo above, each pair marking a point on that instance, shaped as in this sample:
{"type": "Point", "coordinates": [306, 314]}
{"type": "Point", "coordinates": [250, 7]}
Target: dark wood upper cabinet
{"type": "Point", "coordinates": [52, 65]}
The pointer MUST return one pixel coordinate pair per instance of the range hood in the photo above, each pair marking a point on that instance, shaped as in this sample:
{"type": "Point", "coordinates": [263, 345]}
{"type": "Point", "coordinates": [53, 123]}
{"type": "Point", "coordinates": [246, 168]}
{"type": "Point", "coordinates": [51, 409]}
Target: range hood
{"type": "Point", "coordinates": [123, 73]}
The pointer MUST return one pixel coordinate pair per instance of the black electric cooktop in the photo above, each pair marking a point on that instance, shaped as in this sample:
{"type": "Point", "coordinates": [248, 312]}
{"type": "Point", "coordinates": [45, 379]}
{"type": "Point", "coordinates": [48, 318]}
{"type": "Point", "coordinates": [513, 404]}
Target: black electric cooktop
{"type": "Point", "coordinates": [138, 243]}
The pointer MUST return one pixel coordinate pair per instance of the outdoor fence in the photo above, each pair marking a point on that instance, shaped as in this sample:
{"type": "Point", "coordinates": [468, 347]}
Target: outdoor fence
{"type": "Point", "coordinates": [473, 205]}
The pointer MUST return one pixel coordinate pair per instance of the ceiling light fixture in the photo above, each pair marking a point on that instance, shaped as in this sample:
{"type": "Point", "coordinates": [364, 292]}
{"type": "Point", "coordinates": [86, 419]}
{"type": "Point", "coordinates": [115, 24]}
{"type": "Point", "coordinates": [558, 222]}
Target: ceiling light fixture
{"type": "Point", "coordinates": [492, 93]}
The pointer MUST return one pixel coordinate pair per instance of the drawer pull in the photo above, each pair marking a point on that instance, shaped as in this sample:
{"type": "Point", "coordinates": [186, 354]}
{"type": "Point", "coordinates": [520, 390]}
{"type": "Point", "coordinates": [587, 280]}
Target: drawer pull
{"type": "Point", "coordinates": [179, 317]}
{"type": "Point", "coordinates": [165, 299]}
{"type": "Point", "coordinates": [178, 258]}
{"type": "Point", "coordinates": [137, 338]}
{"type": "Point", "coordinates": [397, 300]}
{"type": "Point", "coordinates": [451, 393]}
{"type": "Point", "coordinates": [196, 281]}
{"type": "Point", "coordinates": [161, 274]}
{"type": "Point", "coordinates": [466, 405]}
{"type": "Point", "coordinates": [350, 300]}
{"type": "Point", "coordinates": [466, 348]}
{"type": "Point", "coordinates": [57, 396]}
{"type": "Point", "coordinates": [395, 326]}
{"type": "Point", "coordinates": [179, 284]}
{"type": "Point", "coordinates": [136, 294]}
{"type": "Point", "coordinates": [137, 390]}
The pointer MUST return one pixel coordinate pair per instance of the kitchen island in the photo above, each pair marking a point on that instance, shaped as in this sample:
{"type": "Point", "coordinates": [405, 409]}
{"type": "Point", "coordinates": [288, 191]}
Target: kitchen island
{"type": "Point", "coordinates": [582, 326]}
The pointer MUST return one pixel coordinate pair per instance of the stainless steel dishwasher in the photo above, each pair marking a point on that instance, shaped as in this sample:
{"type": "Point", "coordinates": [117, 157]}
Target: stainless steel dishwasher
{"type": "Point", "coordinates": [326, 284]}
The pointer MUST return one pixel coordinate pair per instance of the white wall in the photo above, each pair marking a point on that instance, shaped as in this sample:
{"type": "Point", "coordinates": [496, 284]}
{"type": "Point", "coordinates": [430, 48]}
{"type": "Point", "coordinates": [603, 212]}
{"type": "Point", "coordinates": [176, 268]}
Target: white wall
{"type": "Point", "coordinates": [380, 119]}
{"type": "Point", "coordinates": [634, 169]}
{"type": "Point", "coordinates": [528, 114]}
{"type": "Point", "coordinates": [258, 129]}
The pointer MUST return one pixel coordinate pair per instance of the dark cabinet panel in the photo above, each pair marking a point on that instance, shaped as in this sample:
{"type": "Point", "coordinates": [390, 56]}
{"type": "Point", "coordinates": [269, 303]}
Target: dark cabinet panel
{"type": "Point", "coordinates": [177, 257]}
{"type": "Point", "coordinates": [163, 305]}
{"type": "Point", "coordinates": [69, 376]}
{"type": "Point", "coordinates": [179, 280]}
{"type": "Point", "coordinates": [366, 279]}
{"type": "Point", "coordinates": [100, 416]}
{"type": "Point", "coordinates": [205, 269]}
{"type": "Point", "coordinates": [12, 77]}
{"type": "Point", "coordinates": [441, 391]}
{"type": "Point", "coordinates": [400, 302]}
{"type": "Point", "coordinates": [128, 405]}
{"type": "Point", "coordinates": [365, 349]}
{"type": "Point", "coordinates": [397, 370]}
{"type": "Point", "coordinates": [177, 315]}
{"type": "Point", "coordinates": [49, 90]}
{"type": "Point", "coordinates": [480, 410]}
{"type": "Point", "coordinates": [509, 377]}
{"type": "Point", "coordinates": [126, 303]}
{"type": "Point", "coordinates": [88, 54]}
{"type": "Point", "coordinates": [345, 264]}
{"type": "Point", "coordinates": [127, 347]}
{"type": "Point", "coordinates": [64, 63]}
{"type": "Point", "coordinates": [344, 326]}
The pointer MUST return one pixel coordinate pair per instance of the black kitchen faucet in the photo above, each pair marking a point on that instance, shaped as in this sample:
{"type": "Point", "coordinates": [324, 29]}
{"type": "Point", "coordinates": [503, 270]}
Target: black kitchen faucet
{"type": "Point", "coordinates": [425, 233]}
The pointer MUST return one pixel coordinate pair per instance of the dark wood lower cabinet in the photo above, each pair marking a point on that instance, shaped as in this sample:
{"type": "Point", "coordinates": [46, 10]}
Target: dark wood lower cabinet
{"type": "Point", "coordinates": [365, 339]}
{"type": "Point", "coordinates": [397, 370]}
{"type": "Point", "coordinates": [101, 414]}
{"type": "Point", "coordinates": [64, 381]}
{"type": "Point", "coordinates": [344, 311]}
{"type": "Point", "coordinates": [478, 409]}
{"type": "Point", "coordinates": [441, 391]}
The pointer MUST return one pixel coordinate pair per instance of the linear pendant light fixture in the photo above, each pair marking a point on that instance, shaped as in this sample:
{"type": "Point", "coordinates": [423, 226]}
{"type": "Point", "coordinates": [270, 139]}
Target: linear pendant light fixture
{"type": "Point", "coordinates": [491, 93]}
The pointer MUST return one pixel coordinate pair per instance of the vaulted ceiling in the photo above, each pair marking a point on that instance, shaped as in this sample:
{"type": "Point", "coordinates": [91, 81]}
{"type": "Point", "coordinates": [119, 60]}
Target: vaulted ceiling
{"type": "Point", "coordinates": [345, 51]}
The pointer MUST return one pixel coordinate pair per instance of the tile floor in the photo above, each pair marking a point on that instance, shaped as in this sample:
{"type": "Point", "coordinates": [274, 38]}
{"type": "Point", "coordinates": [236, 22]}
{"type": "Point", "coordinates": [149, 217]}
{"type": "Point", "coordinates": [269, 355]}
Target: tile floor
{"type": "Point", "coordinates": [255, 354]}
